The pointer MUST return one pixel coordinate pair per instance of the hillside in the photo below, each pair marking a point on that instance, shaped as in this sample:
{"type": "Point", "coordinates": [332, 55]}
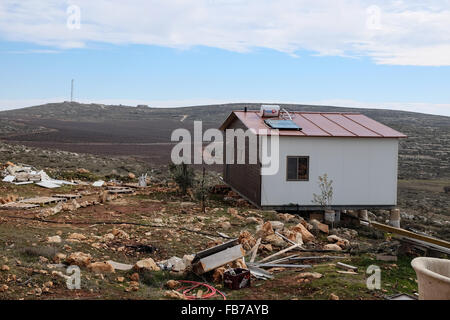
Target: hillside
{"type": "Point", "coordinates": [145, 131]}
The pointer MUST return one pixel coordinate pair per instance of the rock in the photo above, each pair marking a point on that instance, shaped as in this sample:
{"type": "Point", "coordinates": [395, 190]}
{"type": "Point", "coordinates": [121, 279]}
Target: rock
{"type": "Point", "coordinates": [146, 264]}
{"type": "Point", "coordinates": [50, 211]}
{"type": "Point", "coordinates": [82, 170]}
{"type": "Point", "coordinates": [76, 236]}
{"type": "Point", "coordinates": [233, 211]}
{"type": "Point", "coordinates": [317, 225]}
{"type": "Point", "coordinates": [275, 240]}
{"type": "Point", "coordinates": [120, 279]}
{"type": "Point", "coordinates": [218, 274]}
{"type": "Point", "coordinates": [173, 284]}
{"type": "Point", "coordinates": [294, 236]}
{"type": "Point", "coordinates": [4, 288]}
{"type": "Point", "coordinates": [265, 247]}
{"type": "Point", "coordinates": [343, 243]}
{"type": "Point", "coordinates": [71, 205]}
{"type": "Point", "coordinates": [225, 225]}
{"type": "Point", "coordinates": [79, 258]}
{"type": "Point", "coordinates": [108, 237]}
{"type": "Point", "coordinates": [177, 264]}
{"type": "Point", "coordinates": [253, 220]}
{"type": "Point", "coordinates": [264, 230]}
{"type": "Point", "coordinates": [131, 175]}
{"type": "Point", "coordinates": [246, 240]}
{"type": "Point", "coordinates": [334, 297]}
{"type": "Point", "coordinates": [310, 275]}
{"type": "Point", "coordinates": [306, 235]}
{"type": "Point", "coordinates": [5, 268]}
{"type": "Point", "coordinates": [120, 234]}
{"type": "Point", "coordinates": [59, 257]}
{"type": "Point", "coordinates": [101, 267]}
{"type": "Point", "coordinates": [333, 238]}
{"type": "Point", "coordinates": [187, 259]}
{"type": "Point", "coordinates": [332, 246]}
{"type": "Point", "coordinates": [174, 295]}
{"type": "Point", "coordinates": [54, 239]}
{"type": "Point", "coordinates": [134, 277]}
{"type": "Point", "coordinates": [286, 216]}
{"type": "Point", "coordinates": [277, 225]}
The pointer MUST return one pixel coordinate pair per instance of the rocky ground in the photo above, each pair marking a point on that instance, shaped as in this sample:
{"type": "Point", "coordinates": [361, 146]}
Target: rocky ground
{"type": "Point", "coordinates": [157, 223]}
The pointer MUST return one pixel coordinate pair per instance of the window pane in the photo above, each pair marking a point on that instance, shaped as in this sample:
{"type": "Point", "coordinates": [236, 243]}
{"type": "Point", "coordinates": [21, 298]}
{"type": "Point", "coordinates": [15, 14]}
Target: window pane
{"type": "Point", "coordinates": [303, 168]}
{"type": "Point", "coordinates": [292, 168]}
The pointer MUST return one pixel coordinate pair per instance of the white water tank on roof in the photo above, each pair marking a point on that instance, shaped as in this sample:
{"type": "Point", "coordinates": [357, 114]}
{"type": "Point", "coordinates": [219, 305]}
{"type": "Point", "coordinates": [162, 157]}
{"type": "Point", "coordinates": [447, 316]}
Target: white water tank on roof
{"type": "Point", "coordinates": [269, 111]}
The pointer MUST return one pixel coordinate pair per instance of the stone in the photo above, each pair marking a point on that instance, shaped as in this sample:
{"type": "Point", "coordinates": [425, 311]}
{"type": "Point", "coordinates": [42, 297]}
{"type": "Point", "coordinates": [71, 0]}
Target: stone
{"type": "Point", "coordinates": [177, 264]}
{"type": "Point", "coordinates": [317, 225]}
{"type": "Point", "coordinates": [275, 240]}
{"type": "Point", "coordinates": [76, 236]}
{"type": "Point", "coordinates": [334, 297]}
{"type": "Point", "coordinates": [120, 234]}
{"type": "Point", "coordinates": [310, 275]}
{"type": "Point", "coordinates": [54, 239]}
{"type": "Point", "coordinates": [246, 240]}
{"type": "Point", "coordinates": [146, 264]}
{"type": "Point", "coordinates": [306, 235]}
{"type": "Point", "coordinates": [277, 225]}
{"type": "Point", "coordinates": [233, 211]}
{"type": "Point", "coordinates": [187, 259]}
{"type": "Point", "coordinates": [174, 295]}
{"type": "Point", "coordinates": [253, 220]}
{"type": "Point", "coordinates": [120, 279]}
{"type": "Point", "coordinates": [286, 216]}
{"type": "Point", "coordinates": [225, 225]}
{"type": "Point", "coordinates": [108, 237]}
{"type": "Point", "coordinates": [131, 175]}
{"type": "Point", "coordinates": [5, 268]}
{"type": "Point", "coordinates": [59, 257]}
{"type": "Point", "coordinates": [134, 277]}
{"type": "Point", "coordinates": [173, 284]}
{"type": "Point", "coordinates": [101, 267]}
{"type": "Point", "coordinates": [79, 258]}
{"type": "Point", "coordinates": [4, 288]}
{"type": "Point", "coordinates": [294, 236]}
{"type": "Point", "coordinates": [218, 274]}
{"type": "Point", "coordinates": [332, 246]}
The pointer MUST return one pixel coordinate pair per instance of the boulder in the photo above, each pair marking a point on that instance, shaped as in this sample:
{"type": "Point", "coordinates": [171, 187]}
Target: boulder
{"type": "Point", "coordinates": [246, 240]}
{"type": "Point", "coordinates": [173, 284]}
{"type": "Point", "coordinates": [317, 225]}
{"type": "Point", "coordinates": [177, 264]}
{"type": "Point", "coordinates": [275, 240]}
{"type": "Point", "coordinates": [306, 235]}
{"type": "Point", "coordinates": [101, 267]}
{"type": "Point", "coordinates": [54, 239]}
{"type": "Point", "coordinates": [79, 259]}
{"type": "Point", "coordinates": [76, 236]}
{"type": "Point", "coordinates": [146, 264]}
{"type": "Point", "coordinates": [332, 246]}
{"type": "Point", "coordinates": [310, 275]}
{"type": "Point", "coordinates": [277, 225]}
{"type": "Point", "coordinates": [233, 211]}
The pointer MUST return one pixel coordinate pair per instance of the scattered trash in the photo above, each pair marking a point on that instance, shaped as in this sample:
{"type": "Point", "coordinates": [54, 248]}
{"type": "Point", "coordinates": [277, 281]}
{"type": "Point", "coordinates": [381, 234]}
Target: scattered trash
{"type": "Point", "coordinates": [236, 278]}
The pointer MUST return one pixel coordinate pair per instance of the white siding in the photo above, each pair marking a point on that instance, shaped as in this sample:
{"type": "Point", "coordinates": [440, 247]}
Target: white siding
{"type": "Point", "coordinates": [363, 170]}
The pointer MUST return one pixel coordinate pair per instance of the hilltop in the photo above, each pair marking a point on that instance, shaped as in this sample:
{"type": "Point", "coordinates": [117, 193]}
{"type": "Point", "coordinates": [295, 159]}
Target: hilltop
{"type": "Point", "coordinates": [145, 131]}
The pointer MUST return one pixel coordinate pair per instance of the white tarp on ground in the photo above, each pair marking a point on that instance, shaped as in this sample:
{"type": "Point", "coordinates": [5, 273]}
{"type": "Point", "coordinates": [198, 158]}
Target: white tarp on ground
{"type": "Point", "coordinates": [9, 178]}
{"type": "Point", "coordinates": [45, 181]}
{"type": "Point", "coordinates": [99, 183]}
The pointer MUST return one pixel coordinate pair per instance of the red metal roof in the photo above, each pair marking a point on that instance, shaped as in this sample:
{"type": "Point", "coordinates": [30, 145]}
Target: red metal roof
{"type": "Point", "coordinates": [321, 124]}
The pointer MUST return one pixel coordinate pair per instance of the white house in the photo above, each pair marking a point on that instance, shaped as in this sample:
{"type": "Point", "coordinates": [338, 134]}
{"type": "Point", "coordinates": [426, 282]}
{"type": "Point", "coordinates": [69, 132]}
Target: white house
{"type": "Point", "coordinates": [359, 154]}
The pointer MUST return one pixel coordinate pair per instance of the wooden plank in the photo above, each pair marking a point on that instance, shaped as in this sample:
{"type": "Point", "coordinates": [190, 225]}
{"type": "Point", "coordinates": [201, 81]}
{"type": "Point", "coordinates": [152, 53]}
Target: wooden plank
{"type": "Point", "coordinates": [210, 251]}
{"type": "Point", "coordinates": [281, 252]}
{"type": "Point", "coordinates": [276, 265]}
{"type": "Point", "coordinates": [284, 238]}
{"type": "Point", "coordinates": [410, 234]}
{"type": "Point", "coordinates": [346, 266]}
{"type": "Point", "coordinates": [254, 250]}
{"type": "Point", "coordinates": [218, 259]}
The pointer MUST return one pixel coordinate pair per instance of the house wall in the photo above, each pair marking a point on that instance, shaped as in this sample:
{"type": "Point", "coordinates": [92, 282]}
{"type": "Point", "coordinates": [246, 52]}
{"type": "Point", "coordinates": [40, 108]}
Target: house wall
{"type": "Point", "coordinates": [244, 178]}
{"type": "Point", "coordinates": [363, 170]}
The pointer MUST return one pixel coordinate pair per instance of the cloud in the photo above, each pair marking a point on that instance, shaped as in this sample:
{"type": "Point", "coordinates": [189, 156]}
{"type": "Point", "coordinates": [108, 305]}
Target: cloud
{"type": "Point", "coordinates": [389, 32]}
{"type": "Point", "coordinates": [429, 108]}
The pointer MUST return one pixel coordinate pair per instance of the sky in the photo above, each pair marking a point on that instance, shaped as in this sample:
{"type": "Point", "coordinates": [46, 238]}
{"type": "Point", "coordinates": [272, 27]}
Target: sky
{"type": "Point", "coordinates": [369, 54]}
